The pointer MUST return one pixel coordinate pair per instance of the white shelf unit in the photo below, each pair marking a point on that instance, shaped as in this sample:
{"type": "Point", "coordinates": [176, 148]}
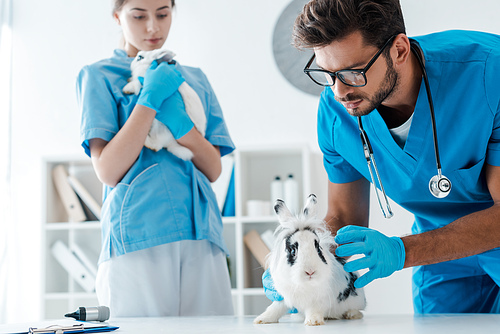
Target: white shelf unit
{"type": "Point", "coordinates": [255, 168]}
{"type": "Point", "coordinates": [60, 293]}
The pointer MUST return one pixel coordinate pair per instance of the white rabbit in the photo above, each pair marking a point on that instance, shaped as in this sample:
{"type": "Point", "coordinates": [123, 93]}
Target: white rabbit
{"type": "Point", "coordinates": [305, 272]}
{"type": "Point", "coordinates": [159, 135]}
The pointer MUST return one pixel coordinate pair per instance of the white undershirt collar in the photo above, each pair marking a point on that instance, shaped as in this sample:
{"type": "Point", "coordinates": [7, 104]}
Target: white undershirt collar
{"type": "Point", "coordinates": [400, 133]}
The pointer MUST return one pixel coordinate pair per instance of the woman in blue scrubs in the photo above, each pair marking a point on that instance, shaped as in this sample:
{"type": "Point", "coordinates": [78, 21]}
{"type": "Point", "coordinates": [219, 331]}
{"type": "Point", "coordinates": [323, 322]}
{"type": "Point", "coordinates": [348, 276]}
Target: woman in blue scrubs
{"type": "Point", "coordinates": [374, 81]}
{"type": "Point", "coordinates": [163, 253]}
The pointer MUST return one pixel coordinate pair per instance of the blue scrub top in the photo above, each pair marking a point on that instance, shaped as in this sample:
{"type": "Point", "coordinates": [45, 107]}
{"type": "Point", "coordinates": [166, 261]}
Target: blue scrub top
{"type": "Point", "coordinates": [463, 68]}
{"type": "Point", "coordinates": [162, 198]}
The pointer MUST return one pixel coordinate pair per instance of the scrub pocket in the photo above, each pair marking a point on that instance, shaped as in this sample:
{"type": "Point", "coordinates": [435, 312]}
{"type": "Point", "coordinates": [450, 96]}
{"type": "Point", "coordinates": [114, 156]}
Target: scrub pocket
{"type": "Point", "coordinates": [139, 211]}
{"type": "Point", "coordinates": [472, 183]}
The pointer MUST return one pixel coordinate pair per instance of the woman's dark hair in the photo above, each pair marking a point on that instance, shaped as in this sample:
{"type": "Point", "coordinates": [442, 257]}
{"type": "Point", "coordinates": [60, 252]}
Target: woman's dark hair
{"type": "Point", "coordinates": [324, 21]}
{"type": "Point", "coordinates": [118, 4]}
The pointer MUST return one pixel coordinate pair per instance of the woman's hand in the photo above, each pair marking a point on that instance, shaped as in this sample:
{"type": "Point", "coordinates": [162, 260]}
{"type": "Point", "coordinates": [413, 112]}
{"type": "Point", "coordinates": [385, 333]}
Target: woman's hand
{"type": "Point", "coordinates": [160, 82]}
{"type": "Point", "coordinates": [173, 114]}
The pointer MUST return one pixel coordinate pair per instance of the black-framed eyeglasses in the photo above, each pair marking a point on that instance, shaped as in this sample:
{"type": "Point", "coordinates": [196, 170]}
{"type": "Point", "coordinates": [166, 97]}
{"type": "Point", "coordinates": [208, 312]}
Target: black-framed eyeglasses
{"type": "Point", "coordinates": [350, 77]}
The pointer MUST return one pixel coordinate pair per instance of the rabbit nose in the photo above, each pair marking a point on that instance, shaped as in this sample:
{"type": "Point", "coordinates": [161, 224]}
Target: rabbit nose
{"type": "Point", "coordinates": [310, 273]}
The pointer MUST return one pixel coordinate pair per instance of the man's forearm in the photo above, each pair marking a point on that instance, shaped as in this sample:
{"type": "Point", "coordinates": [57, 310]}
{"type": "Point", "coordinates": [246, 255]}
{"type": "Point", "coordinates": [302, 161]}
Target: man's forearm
{"type": "Point", "coordinates": [470, 235]}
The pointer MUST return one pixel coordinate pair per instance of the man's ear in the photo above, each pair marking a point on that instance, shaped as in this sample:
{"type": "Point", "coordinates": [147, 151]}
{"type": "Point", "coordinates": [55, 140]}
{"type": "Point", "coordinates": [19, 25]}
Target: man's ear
{"type": "Point", "coordinates": [403, 49]}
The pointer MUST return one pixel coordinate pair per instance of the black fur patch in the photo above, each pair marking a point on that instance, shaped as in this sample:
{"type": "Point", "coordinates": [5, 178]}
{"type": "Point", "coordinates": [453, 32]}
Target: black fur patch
{"type": "Point", "coordinates": [350, 290]}
{"type": "Point", "coordinates": [340, 260]}
{"type": "Point", "coordinates": [307, 228]}
{"type": "Point", "coordinates": [320, 251]}
{"type": "Point", "coordinates": [291, 250]}
{"type": "Point", "coordinates": [279, 204]}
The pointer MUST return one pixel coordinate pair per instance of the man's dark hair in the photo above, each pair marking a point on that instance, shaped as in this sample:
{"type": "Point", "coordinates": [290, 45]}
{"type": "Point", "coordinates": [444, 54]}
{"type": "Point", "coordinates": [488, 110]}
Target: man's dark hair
{"type": "Point", "coordinates": [324, 21]}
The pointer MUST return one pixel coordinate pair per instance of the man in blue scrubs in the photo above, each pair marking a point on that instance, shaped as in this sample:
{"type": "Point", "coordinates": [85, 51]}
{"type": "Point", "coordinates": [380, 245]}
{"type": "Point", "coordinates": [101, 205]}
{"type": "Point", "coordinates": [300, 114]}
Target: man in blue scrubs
{"type": "Point", "coordinates": [365, 59]}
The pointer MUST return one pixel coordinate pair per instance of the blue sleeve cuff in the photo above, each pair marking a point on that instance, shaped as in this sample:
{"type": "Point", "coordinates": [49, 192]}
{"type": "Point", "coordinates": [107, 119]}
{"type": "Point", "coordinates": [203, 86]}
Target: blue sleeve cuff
{"type": "Point", "coordinates": [224, 143]}
{"type": "Point", "coordinates": [95, 133]}
{"type": "Point", "coordinates": [401, 252]}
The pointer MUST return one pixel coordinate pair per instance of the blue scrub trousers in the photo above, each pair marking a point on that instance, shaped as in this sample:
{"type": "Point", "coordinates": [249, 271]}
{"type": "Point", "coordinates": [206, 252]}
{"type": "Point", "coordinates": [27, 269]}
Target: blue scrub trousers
{"type": "Point", "coordinates": [468, 285]}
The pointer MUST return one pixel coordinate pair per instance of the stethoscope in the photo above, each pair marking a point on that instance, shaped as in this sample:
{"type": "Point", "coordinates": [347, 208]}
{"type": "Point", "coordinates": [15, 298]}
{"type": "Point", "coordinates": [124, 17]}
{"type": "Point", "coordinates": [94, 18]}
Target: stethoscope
{"type": "Point", "coordinates": [439, 185]}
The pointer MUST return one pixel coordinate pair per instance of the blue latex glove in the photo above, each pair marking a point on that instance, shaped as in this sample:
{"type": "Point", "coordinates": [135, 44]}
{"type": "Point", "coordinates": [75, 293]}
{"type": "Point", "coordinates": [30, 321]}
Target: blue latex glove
{"type": "Point", "coordinates": [269, 289]}
{"type": "Point", "coordinates": [383, 255]}
{"type": "Point", "coordinates": [173, 114]}
{"type": "Point", "coordinates": [159, 83]}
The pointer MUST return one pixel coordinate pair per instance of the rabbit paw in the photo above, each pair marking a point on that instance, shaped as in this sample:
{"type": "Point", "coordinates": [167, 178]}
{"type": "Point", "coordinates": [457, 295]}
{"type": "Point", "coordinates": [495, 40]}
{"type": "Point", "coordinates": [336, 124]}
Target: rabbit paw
{"type": "Point", "coordinates": [272, 314]}
{"type": "Point", "coordinates": [314, 320]}
{"type": "Point", "coordinates": [152, 144]}
{"type": "Point", "coordinates": [352, 315]}
{"type": "Point", "coordinates": [129, 88]}
{"type": "Point", "coordinates": [265, 319]}
{"type": "Point", "coordinates": [133, 87]}
{"type": "Point", "coordinates": [180, 151]}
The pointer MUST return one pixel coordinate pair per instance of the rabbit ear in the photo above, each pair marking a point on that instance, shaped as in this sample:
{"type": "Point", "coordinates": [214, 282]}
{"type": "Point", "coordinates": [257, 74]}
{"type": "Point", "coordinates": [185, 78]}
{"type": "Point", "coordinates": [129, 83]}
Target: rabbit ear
{"type": "Point", "coordinates": [164, 54]}
{"type": "Point", "coordinates": [149, 56]}
{"type": "Point", "coordinates": [158, 53]}
{"type": "Point", "coordinates": [282, 211]}
{"type": "Point", "coordinates": [310, 208]}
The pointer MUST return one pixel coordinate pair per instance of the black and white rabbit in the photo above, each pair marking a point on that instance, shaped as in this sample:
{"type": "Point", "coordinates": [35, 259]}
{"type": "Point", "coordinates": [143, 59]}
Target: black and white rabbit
{"type": "Point", "coordinates": [159, 135]}
{"type": "Point", "coordinates": [305, 272]}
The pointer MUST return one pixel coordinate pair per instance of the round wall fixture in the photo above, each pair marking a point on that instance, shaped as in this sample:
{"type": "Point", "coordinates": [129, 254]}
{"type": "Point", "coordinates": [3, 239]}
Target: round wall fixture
{"type": "Point", "coordinates": [291, 61]}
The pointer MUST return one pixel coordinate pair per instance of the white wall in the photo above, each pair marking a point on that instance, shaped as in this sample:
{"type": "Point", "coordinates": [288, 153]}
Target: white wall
{"type": "Point", "coordinates": [231, 41]}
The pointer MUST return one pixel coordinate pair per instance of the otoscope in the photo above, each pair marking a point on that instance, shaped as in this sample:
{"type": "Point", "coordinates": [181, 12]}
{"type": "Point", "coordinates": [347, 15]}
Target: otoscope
{"type": "Point", "coordinates": [98, 313]}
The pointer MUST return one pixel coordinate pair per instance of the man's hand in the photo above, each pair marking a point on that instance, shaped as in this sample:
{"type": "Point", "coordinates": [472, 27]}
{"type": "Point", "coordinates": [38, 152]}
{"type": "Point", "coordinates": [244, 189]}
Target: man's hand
{"type": "Point", "coordinates": [383, 255]}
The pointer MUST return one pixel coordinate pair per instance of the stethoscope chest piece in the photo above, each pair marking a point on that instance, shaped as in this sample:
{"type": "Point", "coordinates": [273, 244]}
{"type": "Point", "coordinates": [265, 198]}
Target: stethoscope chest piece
{"type": "Point", "coordinates": [440, 186]}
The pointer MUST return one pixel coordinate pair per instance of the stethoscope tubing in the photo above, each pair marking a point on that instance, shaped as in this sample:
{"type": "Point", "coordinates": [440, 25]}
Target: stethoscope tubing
{"type": "Point", "coordinates": [370, 160]}
{"type": "Point", "coordinates": [431, 106]}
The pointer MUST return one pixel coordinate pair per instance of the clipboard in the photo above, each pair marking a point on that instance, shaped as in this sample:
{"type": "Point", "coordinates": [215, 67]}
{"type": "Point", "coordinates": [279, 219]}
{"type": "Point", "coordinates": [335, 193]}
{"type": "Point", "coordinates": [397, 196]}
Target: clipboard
{"type": "Point", "coordinates": [70, 329]}
{"type": "Point", "coordinates": [80, 328]}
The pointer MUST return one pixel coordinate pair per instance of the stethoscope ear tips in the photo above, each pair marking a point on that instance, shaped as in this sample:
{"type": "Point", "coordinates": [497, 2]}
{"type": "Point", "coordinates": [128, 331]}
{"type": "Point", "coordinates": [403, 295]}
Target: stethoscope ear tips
{"type": "Point", "coordinates": [440, 186]}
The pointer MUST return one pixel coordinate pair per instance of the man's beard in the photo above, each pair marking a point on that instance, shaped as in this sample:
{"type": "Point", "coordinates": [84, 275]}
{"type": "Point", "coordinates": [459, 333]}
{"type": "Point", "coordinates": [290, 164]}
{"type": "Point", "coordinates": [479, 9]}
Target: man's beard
{"type": "Point", "coordinates": [388, 88]}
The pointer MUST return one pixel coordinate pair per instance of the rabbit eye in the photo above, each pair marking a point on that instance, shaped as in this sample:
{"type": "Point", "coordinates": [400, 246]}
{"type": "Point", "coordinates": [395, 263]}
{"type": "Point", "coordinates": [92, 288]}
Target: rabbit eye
{"type": "Point", "coordinates": [291, 250]}
{"type": "Point", "coordinates": [140, 58]}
